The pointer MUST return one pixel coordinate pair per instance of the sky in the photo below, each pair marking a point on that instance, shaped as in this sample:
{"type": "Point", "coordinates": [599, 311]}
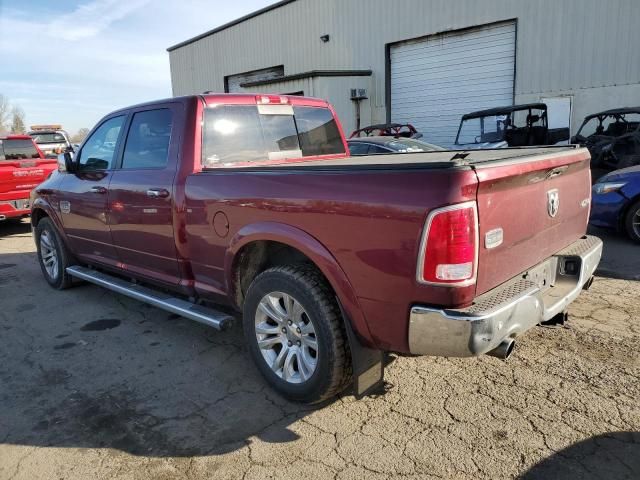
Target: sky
{"type": "Point", "coordinates": [72, 62]}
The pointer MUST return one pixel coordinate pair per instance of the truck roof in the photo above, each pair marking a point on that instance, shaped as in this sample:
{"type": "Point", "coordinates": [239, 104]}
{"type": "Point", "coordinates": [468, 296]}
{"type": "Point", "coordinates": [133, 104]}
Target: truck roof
{"type": "Point", "coordinates": [211, 98]}
{"type": "Point", "coordinates": [15, 137]}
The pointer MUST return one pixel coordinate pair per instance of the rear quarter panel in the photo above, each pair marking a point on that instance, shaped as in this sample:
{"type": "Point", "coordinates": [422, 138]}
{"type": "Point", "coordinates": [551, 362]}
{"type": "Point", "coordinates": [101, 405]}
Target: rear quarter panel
{"type": "Point", "coordinates": [370, 221]}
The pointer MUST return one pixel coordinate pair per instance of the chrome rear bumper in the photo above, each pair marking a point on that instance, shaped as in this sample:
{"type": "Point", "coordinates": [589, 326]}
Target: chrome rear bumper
{"type": "Point", "coordinates": [509, 310]}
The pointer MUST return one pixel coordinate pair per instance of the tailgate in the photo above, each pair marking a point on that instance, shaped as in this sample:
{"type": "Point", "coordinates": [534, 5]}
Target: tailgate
{"type": "Point", "coordinates": [541, 203]}
{"type": "Point", "coordinates": [19, 175]}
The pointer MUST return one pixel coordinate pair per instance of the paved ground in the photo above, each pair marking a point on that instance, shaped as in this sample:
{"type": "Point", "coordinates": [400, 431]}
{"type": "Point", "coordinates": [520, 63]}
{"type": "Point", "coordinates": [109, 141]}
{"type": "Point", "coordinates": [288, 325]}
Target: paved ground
{"type": "Point", "coordinates": [93, 385]}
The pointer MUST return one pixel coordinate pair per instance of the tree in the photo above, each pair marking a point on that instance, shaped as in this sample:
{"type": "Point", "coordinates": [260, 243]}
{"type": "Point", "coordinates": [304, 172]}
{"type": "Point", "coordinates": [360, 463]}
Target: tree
{"type": "Point", "coordinates": [4, 112]}
{"type": "Point", "coordinates": [17, 121]}
{"type": "Point", "coordinates": [80, 135]}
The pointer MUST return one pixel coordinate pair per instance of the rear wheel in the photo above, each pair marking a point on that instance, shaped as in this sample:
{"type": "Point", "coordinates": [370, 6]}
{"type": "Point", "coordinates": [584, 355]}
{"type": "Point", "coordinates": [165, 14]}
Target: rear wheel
{"type": "Point", "coordinates": [53, 255]}
{"type": "Point", "coordinates": [296, 334]}
{"type": "Point", "coordinates": [632, 221]}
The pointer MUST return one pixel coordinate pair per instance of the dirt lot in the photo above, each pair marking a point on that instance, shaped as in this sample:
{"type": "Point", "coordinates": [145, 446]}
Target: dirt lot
{"type": "Point", "coordinates": [93, 385]}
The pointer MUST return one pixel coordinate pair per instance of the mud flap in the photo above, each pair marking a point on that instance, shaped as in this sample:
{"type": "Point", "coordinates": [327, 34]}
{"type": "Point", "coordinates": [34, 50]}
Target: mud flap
{"type": "Point", "coordinates": [368, 363]}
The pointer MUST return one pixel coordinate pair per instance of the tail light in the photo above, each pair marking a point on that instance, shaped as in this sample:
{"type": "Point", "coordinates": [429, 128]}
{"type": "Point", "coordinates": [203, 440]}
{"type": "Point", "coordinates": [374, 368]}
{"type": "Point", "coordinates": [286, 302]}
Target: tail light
{"type": "Point", "coordinates": [272, 100]}
{"type": "Point", "coordinates": [449, 247]}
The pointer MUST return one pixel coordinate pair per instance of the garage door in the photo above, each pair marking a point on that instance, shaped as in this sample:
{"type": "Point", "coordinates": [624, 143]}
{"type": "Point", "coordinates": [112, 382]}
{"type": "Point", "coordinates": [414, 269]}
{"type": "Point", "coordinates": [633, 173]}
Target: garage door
{"type": "Point", "coordinates": [437, 79]}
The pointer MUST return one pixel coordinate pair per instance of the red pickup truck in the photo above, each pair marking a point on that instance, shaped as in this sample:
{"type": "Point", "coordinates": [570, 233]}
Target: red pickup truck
{"type": "Point", "coordinates": [251, 201]}
{"type": "Point", "coordinates": [22, 167]}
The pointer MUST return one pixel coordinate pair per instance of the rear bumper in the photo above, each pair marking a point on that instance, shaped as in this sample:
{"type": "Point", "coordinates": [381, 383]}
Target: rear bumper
{"type": "Point", "coordinates": [508, 310]}
{"type": "Point", "coordinates": [14, 208]}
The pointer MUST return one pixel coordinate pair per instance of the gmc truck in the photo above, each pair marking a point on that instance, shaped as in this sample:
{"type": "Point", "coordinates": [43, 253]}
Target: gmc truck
{"type": "Point", "coordinates": [22, 167]}
{"type": "Point", "coordinates": [203, 205]}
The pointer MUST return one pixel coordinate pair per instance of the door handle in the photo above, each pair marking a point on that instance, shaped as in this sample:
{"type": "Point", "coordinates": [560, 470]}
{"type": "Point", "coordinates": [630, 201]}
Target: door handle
{"type": "Point", "coordinates": [101, 190]}
{"type": "Point", "coordinates": [157, 193]}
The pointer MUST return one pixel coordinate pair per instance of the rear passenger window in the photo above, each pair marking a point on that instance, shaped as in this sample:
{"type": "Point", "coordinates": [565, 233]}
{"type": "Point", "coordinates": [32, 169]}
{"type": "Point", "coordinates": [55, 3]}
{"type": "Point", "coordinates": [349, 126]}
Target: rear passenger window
{"type": "Point", "coordinates": [148, 140]}
{"type": "Point", "coordinates": [242, 135]}
{"type": "Point", "coordinates": [376, 150]}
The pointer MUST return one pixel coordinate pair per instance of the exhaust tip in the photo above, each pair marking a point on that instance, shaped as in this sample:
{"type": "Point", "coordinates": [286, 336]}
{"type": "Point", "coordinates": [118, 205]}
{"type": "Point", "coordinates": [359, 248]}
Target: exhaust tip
{"type": "Point", "coordinates": [2, 217]}
{"type": "Point", "coordinates": [504, 350]}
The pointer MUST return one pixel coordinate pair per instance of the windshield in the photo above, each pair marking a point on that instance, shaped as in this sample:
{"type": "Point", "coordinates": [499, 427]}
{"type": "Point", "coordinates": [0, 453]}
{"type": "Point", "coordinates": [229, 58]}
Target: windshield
{"type": "Point", "coordinates": [17, 150]}
{"type": "Point", "coordinates": [494, 128]}
{"type": "Point", "coordinates": [41, 138]}
{"type": "Point", "coordinates": [610, 125]}
{"type": "Point", "coordinates": [408, 145]}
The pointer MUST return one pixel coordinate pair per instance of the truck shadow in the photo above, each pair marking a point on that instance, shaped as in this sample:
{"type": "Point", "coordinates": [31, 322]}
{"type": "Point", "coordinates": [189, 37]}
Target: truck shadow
{"type": "Point", "coordinates": [613, 456]}
{"type": "Point", "coordinates": [86, 368]}
{"type": "Point", "coordinates": [14, 227]}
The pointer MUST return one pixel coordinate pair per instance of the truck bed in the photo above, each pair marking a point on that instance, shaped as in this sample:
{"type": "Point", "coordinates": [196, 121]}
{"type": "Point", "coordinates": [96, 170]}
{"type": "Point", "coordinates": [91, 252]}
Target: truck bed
{"type": "Point", "coordinates": [436, 159]}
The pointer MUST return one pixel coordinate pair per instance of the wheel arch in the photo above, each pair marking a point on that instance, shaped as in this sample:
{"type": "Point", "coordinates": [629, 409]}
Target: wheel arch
{"type": "Point", "coordinates": [261, 238]}
{"type": "Point", "coordinates": [41, 209]}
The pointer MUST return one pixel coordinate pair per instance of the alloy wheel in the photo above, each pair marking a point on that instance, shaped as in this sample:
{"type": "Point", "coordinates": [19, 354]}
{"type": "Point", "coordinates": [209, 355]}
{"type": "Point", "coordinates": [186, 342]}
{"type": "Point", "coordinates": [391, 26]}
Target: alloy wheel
{"type": "Point", "coordinates": [286, 337]}
{"type": "Point", "coordinates": [49, 254]}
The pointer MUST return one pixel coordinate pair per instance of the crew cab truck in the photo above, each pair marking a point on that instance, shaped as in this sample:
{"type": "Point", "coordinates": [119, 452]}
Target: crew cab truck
{"type": "Point", "coordinates": [22, 167]}
{"type": "Point", "coordinates": [252, 202]}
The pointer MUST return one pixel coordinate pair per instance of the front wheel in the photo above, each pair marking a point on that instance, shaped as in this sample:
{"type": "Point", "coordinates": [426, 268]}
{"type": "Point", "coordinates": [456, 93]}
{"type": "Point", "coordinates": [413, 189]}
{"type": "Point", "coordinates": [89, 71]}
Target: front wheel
{"type": "Point", "coordinates": [53, 256]}
{"type": "Point", "coordinates": [295, 333]}
{"type": "Point", "coordinates": [632, 221]}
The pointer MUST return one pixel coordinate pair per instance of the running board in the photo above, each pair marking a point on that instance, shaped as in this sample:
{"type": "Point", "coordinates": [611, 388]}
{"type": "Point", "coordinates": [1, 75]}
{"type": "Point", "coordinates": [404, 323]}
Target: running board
{"type": "Point", "coordinates": [164, 301]}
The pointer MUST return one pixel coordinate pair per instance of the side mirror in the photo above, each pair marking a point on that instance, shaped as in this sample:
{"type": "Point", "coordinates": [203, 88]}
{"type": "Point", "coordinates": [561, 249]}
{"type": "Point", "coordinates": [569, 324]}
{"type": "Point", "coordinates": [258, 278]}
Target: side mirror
{"type": "Point", "coordinates": [66, 163]}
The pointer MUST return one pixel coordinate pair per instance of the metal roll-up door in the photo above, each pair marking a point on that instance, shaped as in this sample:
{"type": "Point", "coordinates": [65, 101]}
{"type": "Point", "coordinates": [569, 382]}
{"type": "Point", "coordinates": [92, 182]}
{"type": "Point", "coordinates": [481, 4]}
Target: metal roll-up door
{"type": "Point", "coordinates": [437, 79]}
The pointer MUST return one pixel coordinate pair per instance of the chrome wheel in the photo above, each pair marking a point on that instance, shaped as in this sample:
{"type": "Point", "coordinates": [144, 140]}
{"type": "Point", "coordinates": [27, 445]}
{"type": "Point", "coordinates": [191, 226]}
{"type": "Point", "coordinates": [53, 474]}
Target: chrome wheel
{"type": "Point", "coordinates": [49, 254]}
{"type": "Point", "coordinates": [286, 337]}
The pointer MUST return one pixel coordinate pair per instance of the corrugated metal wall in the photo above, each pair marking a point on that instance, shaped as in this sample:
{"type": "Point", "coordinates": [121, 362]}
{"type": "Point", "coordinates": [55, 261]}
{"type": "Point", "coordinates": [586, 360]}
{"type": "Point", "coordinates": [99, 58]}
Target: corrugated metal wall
{"type": "Point", "coordinates": [582, 48]}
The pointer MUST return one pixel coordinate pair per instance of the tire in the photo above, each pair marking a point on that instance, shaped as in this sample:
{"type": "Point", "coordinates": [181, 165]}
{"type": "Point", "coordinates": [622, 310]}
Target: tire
{"type": "Point", "coordinates": [53, 255]}
{"type": "Point", "coordinates": [632, 221]}
{"type": "Point", "coordinates": [288, 309]}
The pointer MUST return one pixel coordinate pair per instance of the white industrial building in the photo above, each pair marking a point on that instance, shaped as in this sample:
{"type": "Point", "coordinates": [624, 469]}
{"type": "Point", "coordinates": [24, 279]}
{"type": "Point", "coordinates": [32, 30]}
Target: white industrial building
{"type": "Point", "coordinates": [425, 62]}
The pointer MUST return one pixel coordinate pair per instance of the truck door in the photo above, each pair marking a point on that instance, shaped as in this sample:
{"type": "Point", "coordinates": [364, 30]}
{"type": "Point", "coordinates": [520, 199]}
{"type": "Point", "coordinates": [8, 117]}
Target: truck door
{"type": "Point", "coordinates": [141, 194]}
{"type": "Point", "coordinates": [83, 206]}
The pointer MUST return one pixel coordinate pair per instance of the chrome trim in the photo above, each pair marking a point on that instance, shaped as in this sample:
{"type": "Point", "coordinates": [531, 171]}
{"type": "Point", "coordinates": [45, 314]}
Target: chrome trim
{"type": "Point", "coordinates": [198, 313]}
{"type": "Point", "coordinates": [467, 332]}
{"type": "Point", "coordinates": [425, 234]}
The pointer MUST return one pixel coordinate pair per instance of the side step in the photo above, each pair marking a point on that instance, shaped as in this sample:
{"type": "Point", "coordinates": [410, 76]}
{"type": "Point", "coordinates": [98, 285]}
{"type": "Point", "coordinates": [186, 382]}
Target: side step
{"type": "Point", "coordinates": [164, 301]}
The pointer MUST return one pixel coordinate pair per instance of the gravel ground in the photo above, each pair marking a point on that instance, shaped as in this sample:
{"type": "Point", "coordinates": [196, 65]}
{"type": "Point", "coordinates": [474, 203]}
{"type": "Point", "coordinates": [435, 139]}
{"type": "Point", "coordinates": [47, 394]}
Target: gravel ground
{"type": "Point", "coordinates": [94, 385]}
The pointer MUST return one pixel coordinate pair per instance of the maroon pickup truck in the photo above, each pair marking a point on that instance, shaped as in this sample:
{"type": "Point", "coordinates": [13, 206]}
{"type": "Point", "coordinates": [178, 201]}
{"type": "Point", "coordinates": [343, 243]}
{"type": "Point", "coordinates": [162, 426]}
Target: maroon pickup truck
{"type": "Point", "coordinates": [204, 204]}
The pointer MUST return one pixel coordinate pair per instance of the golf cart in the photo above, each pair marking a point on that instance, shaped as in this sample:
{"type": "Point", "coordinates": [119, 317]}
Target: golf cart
{"type": "Point", "coordinates": [513, 126]}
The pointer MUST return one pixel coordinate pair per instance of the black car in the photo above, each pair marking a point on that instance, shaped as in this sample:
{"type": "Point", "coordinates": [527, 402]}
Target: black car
{"type": "Point", "coordinates": [381, 145]}
{"type": "Point", "coordinates": [613, 139]}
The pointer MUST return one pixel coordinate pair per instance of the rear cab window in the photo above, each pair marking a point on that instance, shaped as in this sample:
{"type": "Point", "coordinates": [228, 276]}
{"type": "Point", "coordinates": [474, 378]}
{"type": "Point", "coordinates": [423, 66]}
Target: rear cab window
{"type": "Point", "coordinates": [246, 135]}
{"type": "Point", "coordinates": [17, 149]}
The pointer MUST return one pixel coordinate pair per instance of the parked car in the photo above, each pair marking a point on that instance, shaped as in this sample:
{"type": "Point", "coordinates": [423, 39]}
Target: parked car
{"type": "Point", "coordinates": [404, 130]}
{"type": "Point", "coordinates": [381, 145]}
{"type": "Point", "coordinates": [254, 203]}
{"type": "Point", "coordinates": [51, 139]}
{"type": "Point", "coordinates": [510, 126]}
{"type": "Point", "coordinates": [22, 167]}
{"type": "Point", "coordinates": [616, 202]}
{"type": "Point", "coordinates": [613, 139]}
